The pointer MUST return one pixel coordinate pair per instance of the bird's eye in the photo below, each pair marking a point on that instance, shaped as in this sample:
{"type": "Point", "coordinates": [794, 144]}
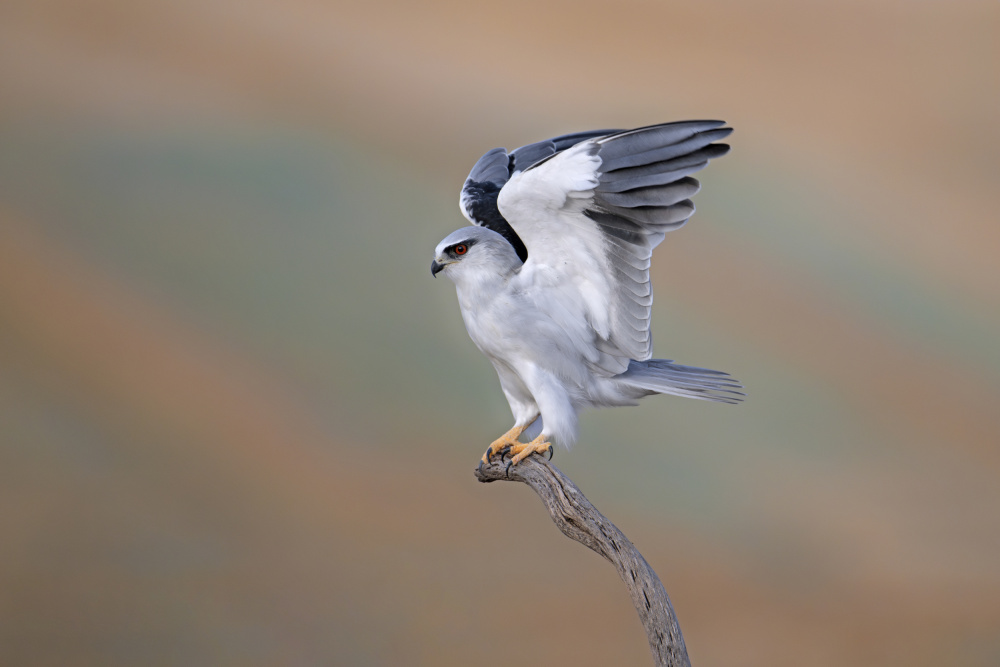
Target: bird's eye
{"type": "Point", "coordinates": [461, 249]}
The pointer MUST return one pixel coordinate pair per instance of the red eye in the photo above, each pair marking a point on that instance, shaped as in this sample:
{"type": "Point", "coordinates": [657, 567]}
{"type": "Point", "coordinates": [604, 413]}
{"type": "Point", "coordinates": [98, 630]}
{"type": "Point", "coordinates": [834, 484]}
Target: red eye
{"type": "Point", "coordinates": [461, 249]}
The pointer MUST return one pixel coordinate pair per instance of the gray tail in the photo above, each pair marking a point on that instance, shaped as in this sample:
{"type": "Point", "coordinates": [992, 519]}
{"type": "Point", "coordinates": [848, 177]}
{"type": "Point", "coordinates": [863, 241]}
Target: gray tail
{"type": "Point", "coordinates": [662, 376]}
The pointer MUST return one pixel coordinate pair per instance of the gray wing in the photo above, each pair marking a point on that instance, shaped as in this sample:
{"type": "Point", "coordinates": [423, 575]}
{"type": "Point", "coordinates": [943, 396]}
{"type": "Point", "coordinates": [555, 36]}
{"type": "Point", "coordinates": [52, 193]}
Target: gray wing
{"type": "Point", "coordinates": [609, 201]}
{"type": "Point", "coordinates": [478, 200]}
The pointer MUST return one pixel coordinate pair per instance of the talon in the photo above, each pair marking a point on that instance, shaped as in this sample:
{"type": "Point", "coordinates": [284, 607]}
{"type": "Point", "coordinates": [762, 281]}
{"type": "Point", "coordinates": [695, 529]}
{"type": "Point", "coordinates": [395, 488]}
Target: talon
{"type": "Point", "coordinates": [508, 445]}
{"type": "Point", "coordinates": [503, 444]}
{"type": "Point", "coordinates": [536, 446]}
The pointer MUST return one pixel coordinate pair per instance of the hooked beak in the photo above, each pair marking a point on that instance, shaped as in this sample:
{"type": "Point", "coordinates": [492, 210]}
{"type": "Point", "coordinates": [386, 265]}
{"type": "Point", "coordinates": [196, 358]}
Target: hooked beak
{"type": "Point", "coordinates": [436, 268]}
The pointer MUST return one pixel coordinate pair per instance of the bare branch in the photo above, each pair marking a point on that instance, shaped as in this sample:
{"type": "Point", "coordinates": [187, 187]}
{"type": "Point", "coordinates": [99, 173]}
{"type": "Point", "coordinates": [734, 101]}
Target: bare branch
{"type": "Point", "coordinates": [580, 521]}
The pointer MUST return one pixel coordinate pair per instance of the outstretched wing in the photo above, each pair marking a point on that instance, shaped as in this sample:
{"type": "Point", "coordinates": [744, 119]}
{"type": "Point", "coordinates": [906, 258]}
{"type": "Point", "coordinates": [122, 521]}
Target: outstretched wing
{"type": "Point", "coordinates": [479, 194]}
{"type": "Point", "coordinates": [591, 215]}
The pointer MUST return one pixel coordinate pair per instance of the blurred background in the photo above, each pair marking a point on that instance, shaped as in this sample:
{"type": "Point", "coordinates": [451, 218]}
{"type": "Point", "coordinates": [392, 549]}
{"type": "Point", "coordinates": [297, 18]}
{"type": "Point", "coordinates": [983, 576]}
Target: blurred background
{"type": "Point", "coordinates": [239, 420]}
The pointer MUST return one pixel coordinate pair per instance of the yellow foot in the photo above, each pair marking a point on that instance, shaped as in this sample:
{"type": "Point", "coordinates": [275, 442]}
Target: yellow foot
{"type": "Point", "coordinates": [521, 450]}
{"type": "Point", "coordinates": [505, 442]}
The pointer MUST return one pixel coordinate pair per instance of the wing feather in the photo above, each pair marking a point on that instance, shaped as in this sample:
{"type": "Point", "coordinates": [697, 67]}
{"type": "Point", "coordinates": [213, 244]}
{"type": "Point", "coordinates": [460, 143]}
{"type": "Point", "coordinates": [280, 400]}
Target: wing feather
{"type": "Point", "coordinates": [668, 171]}
{"type": "Point", "coordinates": [614, 158]}
{"type": "Point", "coordinates": [478, 200]}
{"type": "Point", "coordinates": [591, 212]}
{"type": "Point", "coordinates": [654, 195]}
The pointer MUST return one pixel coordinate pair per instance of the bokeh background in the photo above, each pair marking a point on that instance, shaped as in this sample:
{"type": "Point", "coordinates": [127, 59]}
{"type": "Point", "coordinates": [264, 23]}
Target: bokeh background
{"type": "Point", "coordinates": [239, 420]}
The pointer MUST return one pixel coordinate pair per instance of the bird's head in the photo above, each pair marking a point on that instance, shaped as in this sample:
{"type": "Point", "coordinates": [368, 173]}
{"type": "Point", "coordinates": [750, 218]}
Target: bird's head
{"type": "Point", "coordinates": [474, 251]}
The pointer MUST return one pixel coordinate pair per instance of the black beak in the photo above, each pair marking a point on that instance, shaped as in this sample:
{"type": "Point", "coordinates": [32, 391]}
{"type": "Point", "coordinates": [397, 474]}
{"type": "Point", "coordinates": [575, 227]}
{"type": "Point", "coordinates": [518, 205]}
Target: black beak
{"type": "Point", "coordinates": [435, 268]}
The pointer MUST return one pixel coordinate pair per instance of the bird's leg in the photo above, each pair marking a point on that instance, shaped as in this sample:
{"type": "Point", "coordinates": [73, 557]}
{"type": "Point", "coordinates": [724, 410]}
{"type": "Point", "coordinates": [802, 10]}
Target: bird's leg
{"type": "Point", "coordinates": [522, 450]}
{"type": "Point", "coordinates": [505, 441]}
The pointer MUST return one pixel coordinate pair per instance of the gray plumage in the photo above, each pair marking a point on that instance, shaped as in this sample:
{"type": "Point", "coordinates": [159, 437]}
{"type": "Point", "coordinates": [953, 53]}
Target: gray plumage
{"type": "Point", "coordinates": [554, 283]}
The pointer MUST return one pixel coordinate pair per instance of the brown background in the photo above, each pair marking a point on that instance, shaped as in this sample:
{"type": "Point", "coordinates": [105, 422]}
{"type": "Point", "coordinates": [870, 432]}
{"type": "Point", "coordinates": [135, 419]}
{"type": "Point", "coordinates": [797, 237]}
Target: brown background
{"type": "Point", "coordinates": [238, 420]}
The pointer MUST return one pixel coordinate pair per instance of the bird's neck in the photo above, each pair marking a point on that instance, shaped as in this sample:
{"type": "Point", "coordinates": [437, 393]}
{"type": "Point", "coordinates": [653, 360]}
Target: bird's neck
{"type": "Point", "coordinates": [476, 289]}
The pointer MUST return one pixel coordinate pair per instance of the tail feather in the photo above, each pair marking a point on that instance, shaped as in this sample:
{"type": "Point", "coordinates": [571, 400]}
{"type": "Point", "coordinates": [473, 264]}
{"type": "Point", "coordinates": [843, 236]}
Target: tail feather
{"type": "Point", "coordinates": [662, 376]}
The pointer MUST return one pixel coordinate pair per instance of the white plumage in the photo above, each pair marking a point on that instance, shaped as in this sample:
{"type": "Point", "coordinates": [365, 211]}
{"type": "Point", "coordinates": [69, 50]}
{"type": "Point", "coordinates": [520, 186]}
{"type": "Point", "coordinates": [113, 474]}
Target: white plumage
{"type": "Point", "coordinates": [554, 285]}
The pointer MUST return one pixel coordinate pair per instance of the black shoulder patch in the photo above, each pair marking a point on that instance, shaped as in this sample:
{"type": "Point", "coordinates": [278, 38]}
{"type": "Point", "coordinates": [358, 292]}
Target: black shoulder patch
{"type": "Point", "coordinates": [490, 173]}
{"type": "Point", "coordinates": [481, 203]}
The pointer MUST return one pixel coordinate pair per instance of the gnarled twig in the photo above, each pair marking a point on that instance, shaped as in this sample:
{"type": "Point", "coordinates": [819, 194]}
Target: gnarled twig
{"type": "Point", "coordinates": [580, 521]}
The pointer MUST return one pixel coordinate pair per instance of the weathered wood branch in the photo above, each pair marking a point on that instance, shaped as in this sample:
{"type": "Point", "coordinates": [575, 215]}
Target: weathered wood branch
{"type": "Point", "coordinates": [580, 521]}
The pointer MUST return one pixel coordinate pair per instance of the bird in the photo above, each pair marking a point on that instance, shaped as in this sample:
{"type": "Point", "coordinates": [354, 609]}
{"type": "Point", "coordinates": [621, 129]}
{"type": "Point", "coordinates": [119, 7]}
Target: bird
{"type": "Point", "coordinates": [552, 277]}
